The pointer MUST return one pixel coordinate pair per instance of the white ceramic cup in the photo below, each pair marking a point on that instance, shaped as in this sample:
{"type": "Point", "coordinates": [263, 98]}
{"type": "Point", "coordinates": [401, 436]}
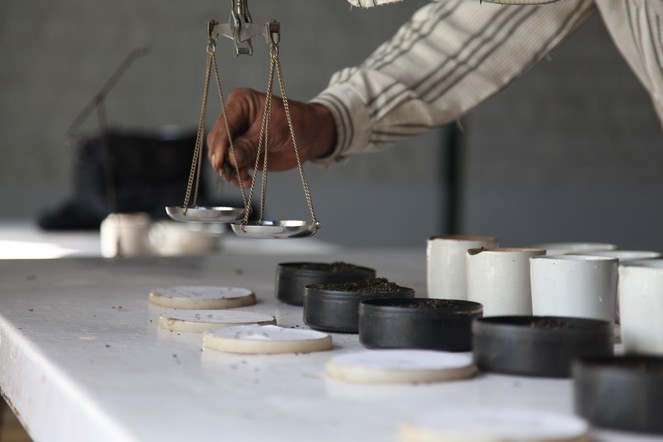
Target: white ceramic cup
{"type": "Point", "coordinates": [125, 234]}
{"type": "Point", "coordinates": [641, 306]}
{"type": "Point", "coordinates": [562, 248]}
{"type": "Point", "coordinates": [499, 278]}
{"type": "Point", "coordinates": [623, 256]}
{"type": "Point", "coordinates": [574, 285]}
{"type": "Point", "coordinates": [445, 263]}
{"type": "Point", "coordinates": [169, 238]}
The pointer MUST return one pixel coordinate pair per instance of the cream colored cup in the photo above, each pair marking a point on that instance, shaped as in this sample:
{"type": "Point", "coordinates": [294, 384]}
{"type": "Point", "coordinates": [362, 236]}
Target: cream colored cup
{"type": "Point", "coordinates": [125, 234]}
{"type": "Point", "coordinates": [574, 285]}
{"type": "Point", "coordinates": [641, 306]}
{"type": "Point", "coordinates": [499, 278]}
{"type": "Point", "coordinates": [445, 263]}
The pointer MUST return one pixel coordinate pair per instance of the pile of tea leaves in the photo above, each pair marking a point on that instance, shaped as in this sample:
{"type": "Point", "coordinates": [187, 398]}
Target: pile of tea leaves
{"type": "Point", "coordinates": [335, 267]}
{"type": "Point", "coordinates": [375, 285]}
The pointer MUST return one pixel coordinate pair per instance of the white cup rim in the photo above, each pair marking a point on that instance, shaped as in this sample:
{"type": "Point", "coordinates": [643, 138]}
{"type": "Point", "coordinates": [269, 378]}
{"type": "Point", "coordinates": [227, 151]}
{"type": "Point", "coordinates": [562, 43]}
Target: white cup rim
{"type": "Point", "coordinates": [621, 254]}
{"type": "Point", "coordinates": [576, 258]}
{"type": "Point", "coordinates": [478, 250]}
{"type": "Point", "coordinates": [647, 263]}
{"type": "Point", "coordinates": [577, 246]}
{"type": "Point", "coordinates": [463, 238]}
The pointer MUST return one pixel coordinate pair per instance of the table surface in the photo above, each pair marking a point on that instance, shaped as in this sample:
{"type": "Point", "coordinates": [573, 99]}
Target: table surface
{"type": "Point", "coordinates": [82, 358]}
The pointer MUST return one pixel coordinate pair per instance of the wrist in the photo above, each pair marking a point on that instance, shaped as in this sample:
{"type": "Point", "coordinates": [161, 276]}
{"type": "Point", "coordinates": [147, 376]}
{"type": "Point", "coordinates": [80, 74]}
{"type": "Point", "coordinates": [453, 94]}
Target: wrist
{"type": "Point", "coordinates": [324, 141]}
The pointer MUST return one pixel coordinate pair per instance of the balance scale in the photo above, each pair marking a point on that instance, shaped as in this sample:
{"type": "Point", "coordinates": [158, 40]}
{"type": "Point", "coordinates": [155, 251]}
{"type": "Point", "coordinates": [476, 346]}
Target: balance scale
{"type": "Point", "coordinates": [241, 30]}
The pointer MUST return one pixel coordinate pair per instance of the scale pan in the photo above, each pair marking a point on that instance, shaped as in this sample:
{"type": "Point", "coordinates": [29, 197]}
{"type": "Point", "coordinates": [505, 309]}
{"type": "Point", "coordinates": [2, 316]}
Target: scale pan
{"type": "Point", "coordinates": [276, 229]}
{"type": "Point", "coordinates": [202, 214]}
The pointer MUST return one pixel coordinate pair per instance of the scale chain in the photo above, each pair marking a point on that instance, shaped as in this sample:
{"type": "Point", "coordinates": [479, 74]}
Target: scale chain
{"type": "Point", "coordinates": [231, 146]}
{"type": "Point", "coordinates": [194, 174]}
{"type": "Point", "coordinates": [286, 108]}
{"type": "Point", "coordinates": [196, 164]}
{"type": "Point", "coordinates": [262, 145]}
{"type": "Point", "coordinates": [275, 66]}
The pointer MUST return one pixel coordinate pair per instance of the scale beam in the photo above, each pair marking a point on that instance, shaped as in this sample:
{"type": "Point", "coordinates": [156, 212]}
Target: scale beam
{"type": "Point", "coordinates": [241, 29]}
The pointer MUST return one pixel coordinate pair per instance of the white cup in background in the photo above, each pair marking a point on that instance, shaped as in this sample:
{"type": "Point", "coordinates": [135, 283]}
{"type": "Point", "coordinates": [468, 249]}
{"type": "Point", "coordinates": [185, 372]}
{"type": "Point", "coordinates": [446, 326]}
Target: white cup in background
{"type": "Point", "coordinates": [445, 263]}
{"type": "Point", "coordinates": [641, 306]}
{"type": "Point", "coordinates": [499, 278]}
{"type": "Point", "coordinates": [623, 256]}
{"type": "Point", "coordinates": [562, 248]}
{"type": "Point", "coordinates": [170, 238]}
{"type": "Point", "coordinates": [574, 285]}
{"type": "Point", "coordinates": [125, 234]}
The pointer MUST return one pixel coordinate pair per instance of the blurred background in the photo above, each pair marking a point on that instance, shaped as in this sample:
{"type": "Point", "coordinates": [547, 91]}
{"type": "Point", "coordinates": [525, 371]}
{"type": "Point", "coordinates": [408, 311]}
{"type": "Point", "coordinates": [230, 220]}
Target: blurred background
{"type": "Point", "coordinates": [572, 151]}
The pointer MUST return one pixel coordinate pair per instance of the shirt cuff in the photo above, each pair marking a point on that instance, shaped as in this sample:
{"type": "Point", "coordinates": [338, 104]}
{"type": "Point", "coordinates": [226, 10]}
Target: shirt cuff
{"type": "Point", "coordinates": [353, 123]}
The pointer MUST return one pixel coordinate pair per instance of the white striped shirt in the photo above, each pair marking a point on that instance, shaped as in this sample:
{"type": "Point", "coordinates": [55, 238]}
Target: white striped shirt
{"type": "Point", "coordinates": [453, 54]}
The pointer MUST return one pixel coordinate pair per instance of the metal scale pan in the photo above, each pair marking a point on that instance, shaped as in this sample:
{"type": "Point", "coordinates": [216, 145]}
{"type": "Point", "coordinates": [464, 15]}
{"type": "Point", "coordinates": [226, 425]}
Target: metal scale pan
{"type": "Point", "coordinates": [276, 229]}
{"type": "Point", "coordinates": [203, 214]}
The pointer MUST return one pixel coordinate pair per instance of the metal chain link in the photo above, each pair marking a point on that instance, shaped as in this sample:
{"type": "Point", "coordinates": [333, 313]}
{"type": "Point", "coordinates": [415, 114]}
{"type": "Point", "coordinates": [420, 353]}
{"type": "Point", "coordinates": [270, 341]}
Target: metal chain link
{"type": "Point", "coordinates": [275, 66]}
{"type": "Point", "coordinates": [231, 146]}
{"type": "Point", "coordinates": [194, 174]}
{"type": "Point", "coordinates": [193, 183]}
{"type": "Point", "coordinates": [262, 145]}
{"type": "Point", "coordinates": [286, 108]}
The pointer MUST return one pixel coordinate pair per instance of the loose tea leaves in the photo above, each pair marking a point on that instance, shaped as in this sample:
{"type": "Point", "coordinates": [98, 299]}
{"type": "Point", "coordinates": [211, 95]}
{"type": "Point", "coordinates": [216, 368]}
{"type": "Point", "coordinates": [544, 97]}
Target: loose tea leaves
{"type": "Point", "coordinates": [375, 285]}
{"type": "Point", "coordinates": [334, 267]}
{"type": "Point", "coordinates": [425, 303]}
{"type": "Point", "coordinates": [550, 323]}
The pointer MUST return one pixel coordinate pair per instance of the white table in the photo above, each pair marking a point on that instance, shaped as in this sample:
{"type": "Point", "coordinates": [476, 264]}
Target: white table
{"type": "Point", "coordinates": [82, 359]}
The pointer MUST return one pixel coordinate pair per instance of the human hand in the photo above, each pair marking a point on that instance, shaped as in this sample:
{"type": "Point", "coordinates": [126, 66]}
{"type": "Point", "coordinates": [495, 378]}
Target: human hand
{"type": "Point", "coordinates": [313, 124]}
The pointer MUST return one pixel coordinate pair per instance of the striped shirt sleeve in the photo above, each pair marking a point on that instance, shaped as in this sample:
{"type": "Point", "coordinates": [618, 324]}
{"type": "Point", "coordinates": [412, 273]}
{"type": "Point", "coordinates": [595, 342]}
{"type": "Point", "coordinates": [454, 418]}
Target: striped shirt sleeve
{"type": "Point", "coordinates": [448, 58]}
{"type": "Point", "coordinates": [636, 28]}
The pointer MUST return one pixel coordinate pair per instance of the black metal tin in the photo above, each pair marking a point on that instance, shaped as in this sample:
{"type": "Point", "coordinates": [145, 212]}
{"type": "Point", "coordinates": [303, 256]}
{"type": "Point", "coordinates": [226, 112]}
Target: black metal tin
{"type": "Point", "coordinates": [293, 277]}
{"type": "Point", "coordinates": [542, 346]}
{"type": "Point", "coordinates": [622, 393]}
{"type": "Point", "coordinates": [423, 323]}
{"type": "Point", "coordinates": [330, 309]}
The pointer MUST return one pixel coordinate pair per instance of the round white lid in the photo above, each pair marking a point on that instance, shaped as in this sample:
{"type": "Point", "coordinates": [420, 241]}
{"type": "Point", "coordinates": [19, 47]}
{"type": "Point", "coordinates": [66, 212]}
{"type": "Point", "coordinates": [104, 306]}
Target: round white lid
{"type": "Point", "coordinates": [201, 297]}
{"type": "Point", "coordinates": [483, 424]}
{"type": "Point", "coordinates": [395, 366]}
{"type": "Point", "coordinates": [201, 320]}
{"type": "Point", "coordinates": [266, 339]}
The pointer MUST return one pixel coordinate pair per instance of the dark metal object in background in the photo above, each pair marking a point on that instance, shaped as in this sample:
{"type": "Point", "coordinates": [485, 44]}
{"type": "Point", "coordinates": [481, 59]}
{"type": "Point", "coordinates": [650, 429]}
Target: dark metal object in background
{"type": "Point", "coordinates": [97, 104]}
{"type": "Point", "coordinates": [452, 178]}
{"type": "Point", "coordinates": [124, 171]}
{"type": "Point", "coordinates": [97, 100]}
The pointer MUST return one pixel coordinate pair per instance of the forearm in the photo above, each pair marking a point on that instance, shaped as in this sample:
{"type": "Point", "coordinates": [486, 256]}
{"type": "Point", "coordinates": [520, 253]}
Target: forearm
{"type": "Point", "coordinates": [450, 57]}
